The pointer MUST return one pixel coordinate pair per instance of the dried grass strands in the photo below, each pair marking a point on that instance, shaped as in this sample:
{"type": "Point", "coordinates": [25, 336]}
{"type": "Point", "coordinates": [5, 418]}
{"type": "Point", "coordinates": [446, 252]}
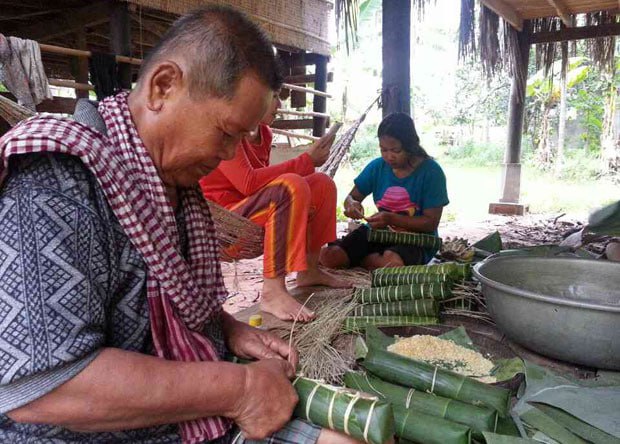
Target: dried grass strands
{"type": "Point", "coordinates": [467, 30]}
{"type": "Point", "coordinates": [357, 278]}
{"type": "Point", "coordinates": [315, 341]}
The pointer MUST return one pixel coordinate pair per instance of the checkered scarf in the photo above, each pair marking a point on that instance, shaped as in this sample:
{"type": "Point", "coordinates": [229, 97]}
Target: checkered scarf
{"type": "Point", "coordinates": [183, 294]}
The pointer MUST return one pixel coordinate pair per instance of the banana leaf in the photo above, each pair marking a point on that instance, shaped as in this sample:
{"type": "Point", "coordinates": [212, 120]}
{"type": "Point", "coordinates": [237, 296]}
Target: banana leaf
{"type": "Point", "coordinates": [418, 307]}
{"type": "Point", "coordinates": [456, 271]}
{"type": "Point", "coordinates": [478, 418]}
{"type": "Point", "coordinates": [422, 376]}
{"type": "Point", "coordinates": [419, 427]}
{"type": "Point", "coordinates": [579, 428]}
{"type": "Point", "coordinates": [358, 323]}
{"type": "Point", "coordinates": [606, 220]}
{"type": "Point", "coordinates": [402, 293]}
{"type": "Point", "coordinates": [494, 438]}
{"type": "Point", "coordinates": [414, 239]}
{"type": "Point", "coordinates": [362, 417]}
{"type": "Point", "coordinates": [388, 280]}
{"type": "Point", "coordinates": [491, 243]}
{"type": "Point", "coordinates": [540, 421]}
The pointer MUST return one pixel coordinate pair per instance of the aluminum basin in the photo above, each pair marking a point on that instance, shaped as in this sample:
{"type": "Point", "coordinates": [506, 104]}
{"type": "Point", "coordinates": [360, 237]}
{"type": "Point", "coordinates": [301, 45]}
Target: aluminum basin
{"type": "Point", "coordinates": [565, 308]}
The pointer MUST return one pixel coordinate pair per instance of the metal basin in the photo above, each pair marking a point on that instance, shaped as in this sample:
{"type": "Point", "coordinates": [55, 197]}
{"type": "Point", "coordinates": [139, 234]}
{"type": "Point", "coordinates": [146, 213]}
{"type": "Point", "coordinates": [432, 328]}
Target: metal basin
{"type": "Point", "coordinates": [565, 308]}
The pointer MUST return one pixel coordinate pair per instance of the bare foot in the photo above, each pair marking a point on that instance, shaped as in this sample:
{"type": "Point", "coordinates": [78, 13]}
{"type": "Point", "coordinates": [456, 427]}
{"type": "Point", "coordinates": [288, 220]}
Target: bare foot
{"type": "Point", "coordinates": [277, 301]}
{"type": "Point", "coordinates": [315, 276]}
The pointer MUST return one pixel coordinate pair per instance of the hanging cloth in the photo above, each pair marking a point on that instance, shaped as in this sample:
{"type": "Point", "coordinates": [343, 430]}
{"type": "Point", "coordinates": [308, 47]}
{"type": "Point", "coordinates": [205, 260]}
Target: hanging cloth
{"type": "Point", "coordinates": [22, 71]}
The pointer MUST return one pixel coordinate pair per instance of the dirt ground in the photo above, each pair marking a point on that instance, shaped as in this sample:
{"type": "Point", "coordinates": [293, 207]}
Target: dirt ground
{"type": "Point", "coordinates": [243, 279]}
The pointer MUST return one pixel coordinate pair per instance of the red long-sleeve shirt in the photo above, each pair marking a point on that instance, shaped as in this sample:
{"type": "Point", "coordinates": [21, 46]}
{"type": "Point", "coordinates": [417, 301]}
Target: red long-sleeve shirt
{"type": "Point", "coordinates": [249, 171]}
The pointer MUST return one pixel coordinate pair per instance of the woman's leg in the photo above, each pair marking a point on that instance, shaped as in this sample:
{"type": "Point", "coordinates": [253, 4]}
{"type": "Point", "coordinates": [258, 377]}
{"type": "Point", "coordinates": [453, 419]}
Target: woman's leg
{"type": "Point", "coordinates": [382, 260]}
{"type": "Point", "coordinates": [321, 230]}
{"type": "Point", "coordinates": [282, 208]}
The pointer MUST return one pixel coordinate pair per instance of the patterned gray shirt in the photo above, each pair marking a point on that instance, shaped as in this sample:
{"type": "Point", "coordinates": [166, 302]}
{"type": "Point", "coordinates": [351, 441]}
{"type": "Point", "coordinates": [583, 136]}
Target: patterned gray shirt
{"type": "Point", "coordinates": [71, 284]}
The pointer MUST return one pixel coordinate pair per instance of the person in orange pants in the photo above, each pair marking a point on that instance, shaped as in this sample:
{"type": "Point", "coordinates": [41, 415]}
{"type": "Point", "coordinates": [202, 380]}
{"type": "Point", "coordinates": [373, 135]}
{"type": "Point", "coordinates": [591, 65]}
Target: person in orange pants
{"type": "Point", "coordinates": [295, 204]}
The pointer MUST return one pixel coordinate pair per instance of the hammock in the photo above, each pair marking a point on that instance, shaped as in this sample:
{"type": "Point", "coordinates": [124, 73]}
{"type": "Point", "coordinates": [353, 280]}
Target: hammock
{"type": "Point", "coordinates": [238, 237]}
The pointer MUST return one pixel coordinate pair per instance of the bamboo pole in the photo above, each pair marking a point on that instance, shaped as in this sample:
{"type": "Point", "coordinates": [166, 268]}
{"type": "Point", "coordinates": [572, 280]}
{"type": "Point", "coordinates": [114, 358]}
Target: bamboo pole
{"type": "Point", "coordinates": [302, 113]}
{"type": "Point", "coordinates": [292, 134]}
{"type": "Point", "coordinates": [81, 53]}
{"type": "Point", "coordinates": [316, 92]}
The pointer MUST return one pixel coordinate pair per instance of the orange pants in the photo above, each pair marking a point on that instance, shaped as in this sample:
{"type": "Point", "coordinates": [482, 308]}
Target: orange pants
{"type": "Point", "coordinates": [299, 216]}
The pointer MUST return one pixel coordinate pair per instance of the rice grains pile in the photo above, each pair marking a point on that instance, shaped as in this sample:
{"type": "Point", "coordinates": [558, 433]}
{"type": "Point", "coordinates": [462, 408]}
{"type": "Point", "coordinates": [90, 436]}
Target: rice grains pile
{"type": "Point", "coordinates": [445, 354]}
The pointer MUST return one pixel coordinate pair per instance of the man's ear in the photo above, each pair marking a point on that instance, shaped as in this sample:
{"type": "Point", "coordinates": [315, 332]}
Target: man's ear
{"type": "Point", "coordinates": [165, 80]}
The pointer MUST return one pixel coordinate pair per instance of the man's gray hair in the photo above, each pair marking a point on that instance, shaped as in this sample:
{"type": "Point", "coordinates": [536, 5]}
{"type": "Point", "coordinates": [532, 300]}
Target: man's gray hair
{"type": "Point", "coordinates": [220, 45]}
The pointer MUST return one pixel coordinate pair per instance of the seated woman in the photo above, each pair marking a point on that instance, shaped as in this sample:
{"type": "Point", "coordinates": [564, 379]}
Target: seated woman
{"type": "Point", "coordinates": [295, 204]}
{"type": "Point", "coordinates": [409, 189]}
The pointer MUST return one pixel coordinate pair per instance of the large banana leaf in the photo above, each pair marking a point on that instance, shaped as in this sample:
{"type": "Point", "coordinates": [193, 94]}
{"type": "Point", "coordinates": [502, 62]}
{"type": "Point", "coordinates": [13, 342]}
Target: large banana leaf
{"type": "Point", "coordinates": [606, 220]}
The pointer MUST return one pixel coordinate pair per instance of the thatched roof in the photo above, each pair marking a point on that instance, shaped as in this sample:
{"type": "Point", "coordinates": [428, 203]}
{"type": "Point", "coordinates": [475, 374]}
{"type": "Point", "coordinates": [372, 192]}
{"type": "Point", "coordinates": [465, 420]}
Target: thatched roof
{"type": "Point", "coordinates": [301, 24]}
{"type": "Point", "coordinates": [493, 36]}
{"type": "Point", "coordinates": [295, 25]}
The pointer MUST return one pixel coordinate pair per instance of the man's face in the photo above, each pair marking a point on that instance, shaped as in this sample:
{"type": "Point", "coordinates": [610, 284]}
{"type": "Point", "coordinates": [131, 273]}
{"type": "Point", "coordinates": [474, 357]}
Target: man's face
{"type": "Point", "coordinates": [199, 133]}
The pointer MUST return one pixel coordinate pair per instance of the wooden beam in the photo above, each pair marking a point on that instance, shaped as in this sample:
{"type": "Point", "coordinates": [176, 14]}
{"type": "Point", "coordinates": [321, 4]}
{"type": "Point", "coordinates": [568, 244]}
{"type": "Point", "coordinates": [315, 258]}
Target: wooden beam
{"type": "Point", "coordinates": [292, 134]}
{"type": "Point", "coordinates": [61, 105]}
{"type": "Point", "coordinates": [69, 21]}
{"type": "Point", "coordinates": [71, 84]}
{"type": "Point", "coordinates": [319, 104]}
{"type": "Point", "coordinates": [302, 113]}
{"type": "Point", "coordinates": [120, 39]}
{"type": "Point", "coordinates": [505, 11]}
{"type": "Point", "coordinates": [580, 33]}
{"type": "Point", "coordinates": [562, 11]}
{"type": "Point", "coordinates": [396, 57]}
{"type": "Point", "coordinates": [316, 92]}
{"type": "Point", "coordinates": [304, 79]}
{"type": "Point", "coordinates": [80, 53]}
{"type": "Point", "coordinates": [81, 64]}
{"type": "Point", "coordinates": [293, 124]}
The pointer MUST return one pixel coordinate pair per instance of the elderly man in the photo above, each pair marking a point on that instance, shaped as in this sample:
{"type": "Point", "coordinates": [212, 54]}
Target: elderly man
{"type": "Point", "coordinates": [111, 327]}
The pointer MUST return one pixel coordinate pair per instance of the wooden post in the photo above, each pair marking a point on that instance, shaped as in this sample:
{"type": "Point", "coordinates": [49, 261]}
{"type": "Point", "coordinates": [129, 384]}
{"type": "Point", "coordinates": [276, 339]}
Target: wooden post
{"type": "Point", "coordinates": [298, 66]}
{"type": "Point", "coordinates": [82, 64]}
{"type": "Point", "coordinates": [396, 25]}
{"type": "Point", "coordinates": [511, 169]}
{"type": "Point", "coordinates": [120, 39]}
{"type": "Point", "coordinates": [320, 103]}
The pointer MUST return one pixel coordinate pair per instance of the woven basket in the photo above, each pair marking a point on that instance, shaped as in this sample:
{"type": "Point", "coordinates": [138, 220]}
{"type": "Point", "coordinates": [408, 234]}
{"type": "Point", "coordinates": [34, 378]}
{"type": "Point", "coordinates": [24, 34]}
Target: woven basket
{"type": "Point", "coordinates": [239, 238]}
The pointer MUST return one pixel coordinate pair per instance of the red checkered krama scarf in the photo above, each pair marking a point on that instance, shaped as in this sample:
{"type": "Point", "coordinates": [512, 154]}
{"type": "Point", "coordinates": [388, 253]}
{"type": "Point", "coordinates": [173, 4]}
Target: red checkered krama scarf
{"type": "Point", "coordinates": [183, 294]}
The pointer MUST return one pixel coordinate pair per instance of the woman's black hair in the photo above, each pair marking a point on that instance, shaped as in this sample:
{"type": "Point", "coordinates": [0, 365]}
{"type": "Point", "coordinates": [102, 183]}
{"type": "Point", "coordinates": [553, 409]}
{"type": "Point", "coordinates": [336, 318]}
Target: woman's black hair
{"type": "Point", "coordinates": [400, 126]}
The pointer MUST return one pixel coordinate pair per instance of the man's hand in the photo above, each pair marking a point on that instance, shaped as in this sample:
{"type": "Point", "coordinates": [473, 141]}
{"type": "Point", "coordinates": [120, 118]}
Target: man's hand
{"type": "Point", "coordinates": [268, 398]}
{"type": "Point", "coordinates": [252, 343]}
{"type": "Point", "coordinates": [380, 220]}
{"type": "Point", "coordinates": [319, 150]}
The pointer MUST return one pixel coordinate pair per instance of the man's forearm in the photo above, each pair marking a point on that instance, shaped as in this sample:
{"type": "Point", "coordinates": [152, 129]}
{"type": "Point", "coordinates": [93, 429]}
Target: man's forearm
{"type": "Point", "coordinates": [124, 390]}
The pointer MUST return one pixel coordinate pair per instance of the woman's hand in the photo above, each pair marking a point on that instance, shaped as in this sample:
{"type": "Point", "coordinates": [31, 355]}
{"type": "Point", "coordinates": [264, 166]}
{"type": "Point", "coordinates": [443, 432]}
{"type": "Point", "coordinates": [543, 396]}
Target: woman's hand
{"type": "Point", "coordinates": [319, 150]}
{"type": "Point", "coordinates": [353, 208]}
{"type": "Point", "coordinates": [380, 220]}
